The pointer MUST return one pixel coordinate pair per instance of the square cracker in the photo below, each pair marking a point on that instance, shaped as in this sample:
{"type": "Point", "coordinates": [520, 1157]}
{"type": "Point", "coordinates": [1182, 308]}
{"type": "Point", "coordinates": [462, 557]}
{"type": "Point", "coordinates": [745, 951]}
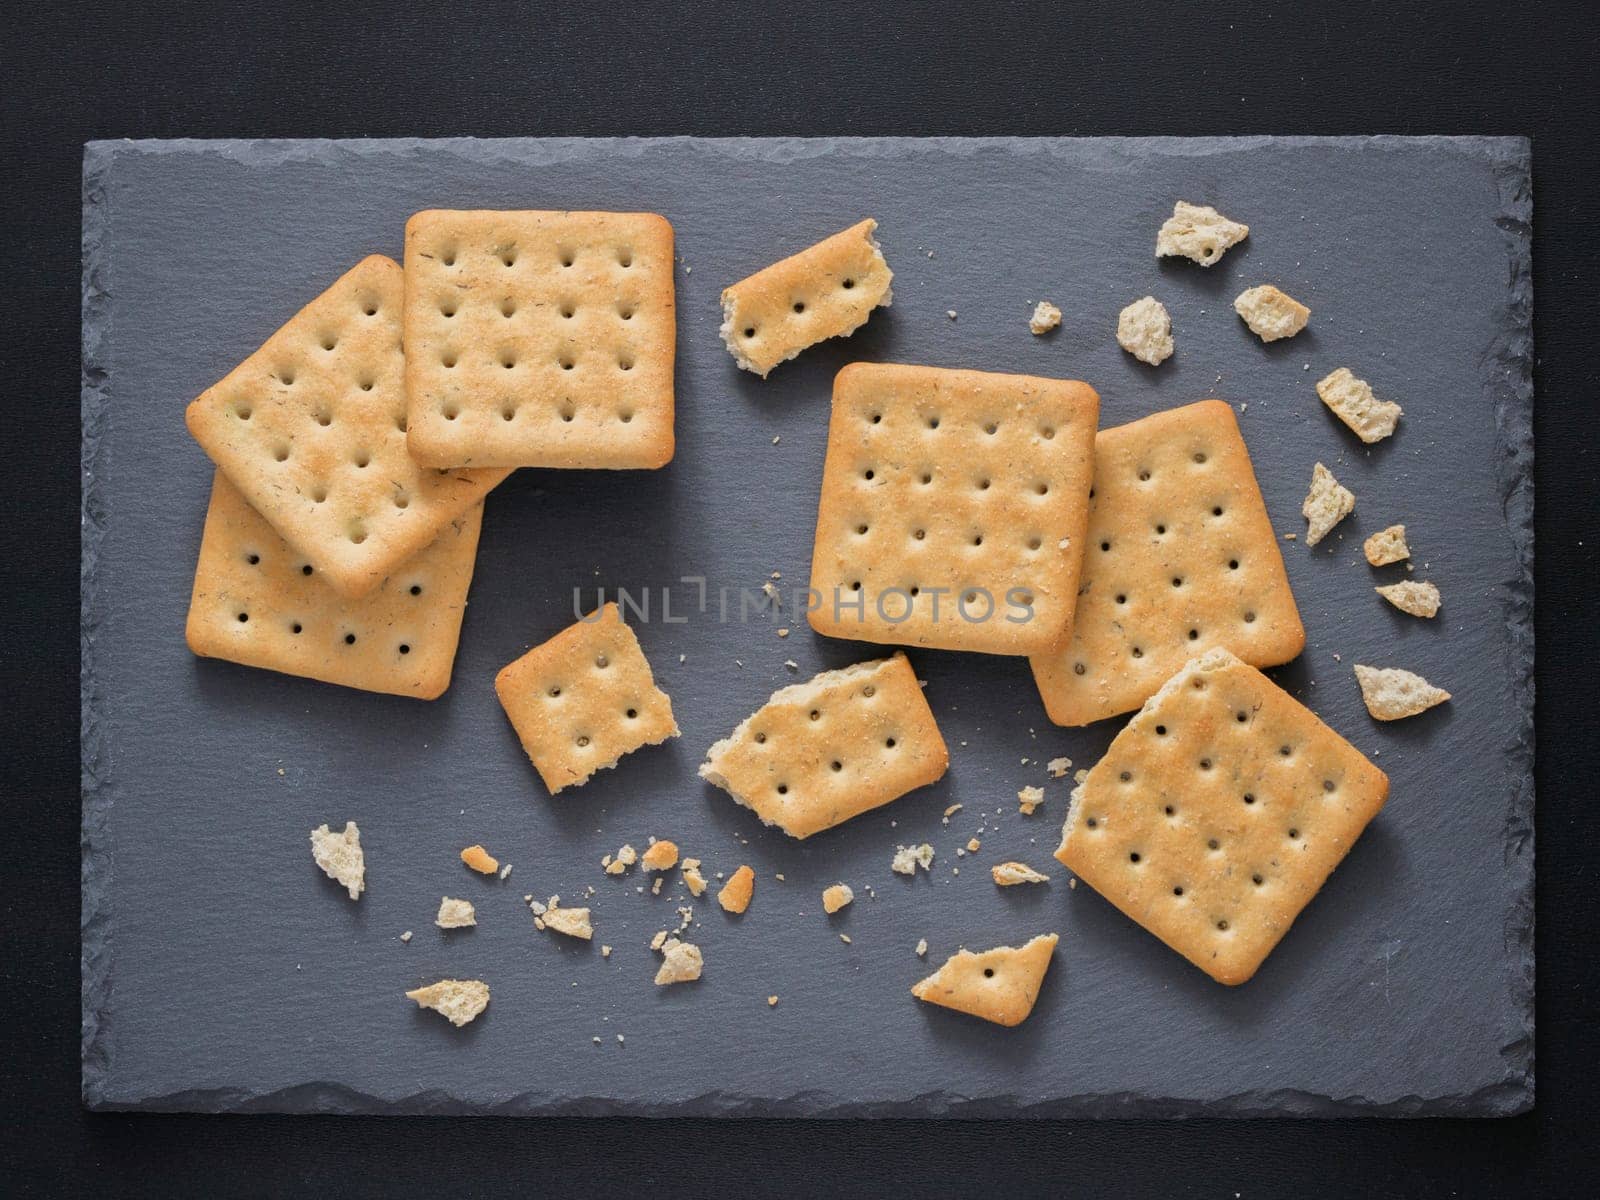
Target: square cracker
{"type": "Point", "coordinates": [1180, 557]}
{"type": "Point", "coordinates": [825, 291]}
{"type": "Point", "coordinates": [539, 339]}
{"type": "Point", "coordinates": [1218, 812]}
{"type": "Point", "coordinates": [312, 429]}
{"type": "Point", "coordinates": [953, 508]}
{"type": "Point", "coordinates": [259, 602]}
{"type": "Point", "coordinates": [583, 699]}
{"type": "Point", "coordinates": [841, 744]}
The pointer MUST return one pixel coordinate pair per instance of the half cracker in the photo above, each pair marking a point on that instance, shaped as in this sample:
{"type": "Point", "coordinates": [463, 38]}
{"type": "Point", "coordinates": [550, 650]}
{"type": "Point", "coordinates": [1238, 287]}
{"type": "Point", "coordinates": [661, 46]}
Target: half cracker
{"type": "Point", "coordinates": [1217, 814]}
{"type": "Point", "coordinates": [1180, 557]}
{"type": "Point", "coordinates": [583, 699]}
{"type": "Point", "coordinates": [953, 508]}
{"type": "Point", "coordinates": [826, 291]}
{"type": "Point", "coordinates": [999, 985]}
{"type": "Point", "coordinates": [258, 602]}
{"type": "Point", "coordinates": [311, 428]}
{"type": "Point", "coordinates": [539, 339]}
{"type": "Point", "coordinates": [841, 744]}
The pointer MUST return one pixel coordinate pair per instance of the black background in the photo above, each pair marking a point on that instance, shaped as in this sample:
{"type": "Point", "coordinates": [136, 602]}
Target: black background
{"type": "Point", "coordinates": [71, 73]}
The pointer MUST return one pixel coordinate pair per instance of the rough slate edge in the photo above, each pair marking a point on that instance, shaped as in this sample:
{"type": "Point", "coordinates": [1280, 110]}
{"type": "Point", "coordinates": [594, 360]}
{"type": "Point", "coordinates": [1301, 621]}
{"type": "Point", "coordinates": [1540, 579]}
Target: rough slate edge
{"type": "Point", "coordinates": [1508, 379]}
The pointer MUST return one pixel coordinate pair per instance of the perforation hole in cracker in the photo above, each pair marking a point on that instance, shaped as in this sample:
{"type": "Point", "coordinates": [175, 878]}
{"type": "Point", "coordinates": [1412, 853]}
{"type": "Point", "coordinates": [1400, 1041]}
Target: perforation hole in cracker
{"type": "Point", "coordinates": [564, 319]}
{"type": "Point", "coordinates": [1185, 559]}
{"type": "Point", "coordinates": [1200, 827]}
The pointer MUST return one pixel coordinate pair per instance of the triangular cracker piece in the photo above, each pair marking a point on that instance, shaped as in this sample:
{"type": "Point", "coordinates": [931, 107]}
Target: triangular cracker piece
{"type": "Point", "coordinates": [311, 428]}
{"type": "Point", "coordinates": [459, 1000]}
{"type": "Point", "coordinates": [1391, 694]}
{"type": "Point", "coordinates": [258, 602]}
{"type": "Point", "coordinates": [999, 985]}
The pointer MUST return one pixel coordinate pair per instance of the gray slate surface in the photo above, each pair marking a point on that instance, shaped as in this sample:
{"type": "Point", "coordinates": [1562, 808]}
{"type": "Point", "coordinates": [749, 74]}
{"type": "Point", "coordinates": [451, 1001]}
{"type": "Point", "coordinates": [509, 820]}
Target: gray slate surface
{"type": "Point", "coordinates": [222, 971]}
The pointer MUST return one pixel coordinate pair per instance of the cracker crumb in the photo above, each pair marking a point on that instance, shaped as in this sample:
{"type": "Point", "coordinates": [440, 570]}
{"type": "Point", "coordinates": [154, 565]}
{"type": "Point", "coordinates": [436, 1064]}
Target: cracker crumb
{"type": "Point", "coordinates": [952, 811]}
{"type": "Point", "coordinates": [455, 914]}
{"type": "Point", "coordinates": [659, 940]}
{"type": "Point", "coordinates": [972, 845]}
{"type": "Point", "coordinates": [845, 938]}
{"type": "Point", "coordinates": [1271, 314]}
{"type": "Point", "coordinates": [1198, 232]}
{"type": "Point", "coordinates": [791, 664]}
{"type": "Point", "coordinates": [660, 856]}
{"type": "Point", "coordinates": [681, 963]}
{"type": "Point", "coordinates": [1387, 546]}
{"type": "Point", "coordinates": [1144, 330]}
{"type": "Point", "coordinates": [1010, 874]}
{"type": "Point", "coordinates": [772, 1002]}
{"type": "Point", "coordinates": [480, 860]}
{"type": "Point", "coordinates": [406, 936]}
{"type": "Point", "coordinates": [605, 952]}
{"type": "Point", "coordinates": [1352, 401]}
{"type": "Point", "coordinates": [836, 897]}
{"type": "Point", "coordinates": [692, 879]}
{"type": "Point", "coordinates": [505, 871]}
{"type": "Point", "coordinates": [1029, 799]}
{"type": "Point", "coordinates": [459, 1000]}
{"type": "Point", "coordinates": [922, 947]}
{"type": "Point", "coordinates": [1046, 316]}
{"type": "Point", "coordinates": [908, 858]}
{"type": "Point", "coordinates": [618, 863]}
{"type": "Point", "coordinates": [1072, 883]}
{"type": "Point", "coordinates": [1417, 597]}
{"type": "Point", "coordinates": [1058, 767]}
{"type": "Point", "coordinates": [951, 313]}
{"type": "Point", "coordinates": [1390, 693]}
{"type": "Point", "coordinates": [340, 857]}
{"type": "Point", "coordinates": [735, 894]}
{"type": "Point", "coordinates": [1326, 504]}
{"type": "Point", "coordinates": [783, 632]}
{"type": "Point", "coordinates": [655, 888]}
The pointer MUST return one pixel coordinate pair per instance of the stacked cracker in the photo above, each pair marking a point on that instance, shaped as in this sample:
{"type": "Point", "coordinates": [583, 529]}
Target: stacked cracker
{"type": "Point", "coordinates": [345, 511]}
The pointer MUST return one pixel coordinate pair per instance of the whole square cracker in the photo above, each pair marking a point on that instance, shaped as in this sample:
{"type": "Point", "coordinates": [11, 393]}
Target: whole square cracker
{"type": "Point", "coordinates": [953, 508]}
{"type": "Point", "coordinates": [311, 428]}
{"type": "Point", "coordinates": [259, 602]}
{"type": "Point", "coordinates": [827, 290]}
{"type": "Point", "coordinates": [820, 752]}
{"type": "Point", "coordinates": [1218, 812]}
{"type": "Point", "coordinates": [1180, 557]}
{"type": "Point", "coordinates": [583, 699]}
{"type": "Point", "coordinates": [539, 339]}
{"type": "Point", "coordinates": [999, 985]}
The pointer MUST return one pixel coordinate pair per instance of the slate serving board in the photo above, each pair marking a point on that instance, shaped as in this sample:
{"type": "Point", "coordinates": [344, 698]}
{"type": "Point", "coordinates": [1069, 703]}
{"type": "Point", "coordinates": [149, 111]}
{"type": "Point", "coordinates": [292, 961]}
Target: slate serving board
{"type": "Point", "coordinates": [222, 971]}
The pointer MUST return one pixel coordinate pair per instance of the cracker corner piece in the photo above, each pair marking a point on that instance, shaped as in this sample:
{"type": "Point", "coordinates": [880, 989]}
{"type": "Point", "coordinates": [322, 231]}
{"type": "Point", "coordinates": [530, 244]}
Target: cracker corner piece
{"type": "Point", "coordinates": [953, 508]}
{"type": "Point", "coordinates": [1144, 330]}
{"type": "Point", "coordinates": [259, 603]}
{"type": "Point", "coordinates": [826, 291]}
{"type": "Point", "coordinates": [1180, 556]}
{"type": "Point", "coordinates": [1198, 232]}
{"type": "Point", "coordinates": [1391, 694]}
{"type": "Point", "coordinates": [1326, 504]}
{"type": "Point", "coordinates": [583, 699]}
{"type": "Point", "coordinates": [340, 857]}
{"type": "Point", "coordinates": [311, 428]}
{"type": "Point", "coordinates": [1387, 546]}
{"type": "Point", "coordinates": [540, 339]}
{"type": "Point", "coordinates": [1351, 400]}
{"type": "Point", "coordinates": [999, 985]}
{"type": "Point", "coordinates": [841, 744]}
{"type": "Point", "coordinates": [458, 1000]}
{"type": "Point", "coordinates": [1217, 814]}
{"type": "Point", "coordinates": [1416, 597]}
{"type": "Point", "coordinates": [1271, 314]}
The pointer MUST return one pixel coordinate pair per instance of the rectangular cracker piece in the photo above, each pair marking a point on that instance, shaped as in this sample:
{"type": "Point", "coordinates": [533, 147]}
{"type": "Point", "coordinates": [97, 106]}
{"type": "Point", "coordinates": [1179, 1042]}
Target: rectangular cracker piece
{"type": "Point", "coordinates": [1180, 557]}
{"type": "Point", "coordinates": [583, 699]}
{"type": "Point", "coordinates": [311, 428]}
{"type": "Point", "coordinates": [826, 291]}
{"type": "Point", "coordinates": [953, 508]}
{"type": "Point", "coordinates": [540, 339]}
{"type": "Point", "coordinates": [841, 744]}
{"type": "Point", "coordinates": [258, 601]}
{"type": "Point", "coordinates": [1217, 814]}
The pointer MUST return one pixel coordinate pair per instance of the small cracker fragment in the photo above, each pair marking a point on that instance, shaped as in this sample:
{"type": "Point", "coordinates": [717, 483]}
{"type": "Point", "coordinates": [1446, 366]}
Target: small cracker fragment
{"type": "Point", "coordinates": [952, 508]}
{"type": "Point", "coordinates": [624, 858]}
{"type": "Point", "coordinates": [1058, 767]}
{"type": "Point", "coordinates": [821, 752]}
{"type": "Point", "coordinates": [455, 914]}
{"type": "Point", "coordinates": [1417, 597]}
{"type": "Point", "coordinates": [681, 962]}
{"type": "Point", "coordinates": [1046, 316]}
{"type": "Point", "coordinates": [1352, 401]}
{"type": "Point", "coordinates": [583, 699]}
{"type": "Point", "coordinates": [825, 291]}
{"type": "Point", "coordinates": [1144, 330]}
{"type": "Point", "coordinates": [660, 856]}
{"type": "Point", "coordinates": [922, 947]}
{"type": "Point", "coordinates": [908, 858]}
{"type": "Point", "coordinates": [257, 601]}
{"type": "Point", "coordinates": [1180, 557]}
{"type": "Point", "coordinates": [1271, 314]}
{"type": "Point", "coordinates": [694, 881]}
{"type": "Point", "coordinates": [1029, 799]}
{"type": "Point", "coordinates": [1010, 874]}
{"type": "Point", "coordinates": [836, 897]}
{"type": "Point", "coordinates": [311, 429]}
{"type": "Point", "coordinates": [1217, 814]}
{"type": "Point", "coordinates": [340, 857]}
{"type": "Point", "coordinates": [999, 985]}
{"type": "Point", "coordinates": [735, 894]}
{"type": "Point", "coordinates": [1387, 546]}
{"type": "Point", "coordinates": [1198, 232]}
{"type": "Point", "coordinates": [1326, 504]}
{"type": "Point", "coordinates": [480, 860]}
{"type": "Point", "coordinates": [459, 1000]}
{"type": "Point", "coordinates": [539, 339]}
{"type": "Point", "coordinates": [1391, 694]}
{"type": "Point", "coordinates": [574, 922]}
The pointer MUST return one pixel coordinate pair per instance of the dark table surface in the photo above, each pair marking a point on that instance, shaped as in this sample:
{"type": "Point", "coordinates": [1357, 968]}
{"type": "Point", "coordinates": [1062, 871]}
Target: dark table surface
{"type": "Point", "coordinates": [72, 73]}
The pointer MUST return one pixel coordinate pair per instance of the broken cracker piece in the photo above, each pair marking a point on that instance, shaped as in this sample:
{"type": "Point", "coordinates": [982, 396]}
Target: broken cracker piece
{"type": "Point", "coordinates": [1058, 767]}
{"type": "Point", "coordinates": [660, 856]}
{"type": "Point", "coordinates": [1198, 232]}
{"type": "Point", "coordinates": [459, 1000]}
{"type": "Point", "coordinates": [1387, 546]}
{"type": "Point", "coordinates": [574, 922]}
{"type": "Point", "coordinates": [1352, 401]}
{"type": "Point", "coordinates": [681, 963]}
{"type": "Point", "coordinates": [455, 914]}
{"type": "Point", "coordinates": [1326, 504]}
{"type": "Point", "coordinates": [1271, 314]}
{"type": "Point", "coordinates": [1417, 597]}
{"type": "Point", "coordinates": [1009, 874]}
{"type": "Point", "coordinates": [1144, 330]}
{"type": "Point", "coordinates": [908, 858]}
{"type": "Point", "coordinates": [1046, 316]}
{"type": "Point", "coordinates": [735, 894]}
{"type": "Point", "coordinates": [836, 897]}
{"type": "Point", "coordinates": [340, 857]}
{"type": "Point", "coordinates": [693, 880]}
{"type": "Point", "coordinates": [1029, 799]}
{"type": "Point", "coordinates": [480, 860]}
{"type": "Point", "coordinates": [1391, 694]}
{"type": "Point", "coordinates": [999, 985]}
